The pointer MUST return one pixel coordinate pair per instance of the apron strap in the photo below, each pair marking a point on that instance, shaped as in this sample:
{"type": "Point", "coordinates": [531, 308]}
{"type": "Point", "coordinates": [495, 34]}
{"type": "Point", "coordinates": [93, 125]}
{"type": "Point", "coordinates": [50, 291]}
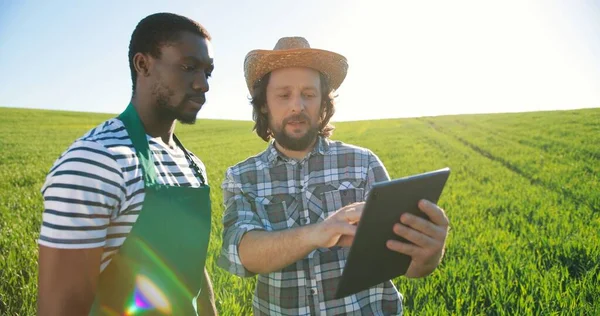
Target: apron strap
{"type": "Point", "coordinates": [137, 133]}
{"type": "Point", "coordinates": [190, 160]}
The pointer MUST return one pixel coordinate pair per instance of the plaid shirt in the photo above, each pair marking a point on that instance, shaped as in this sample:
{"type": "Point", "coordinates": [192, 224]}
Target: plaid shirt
{"type": "Point", "coordinates": [270, 192]}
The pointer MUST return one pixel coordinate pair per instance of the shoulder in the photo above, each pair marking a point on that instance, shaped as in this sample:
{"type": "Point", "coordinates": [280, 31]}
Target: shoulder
{"type": "Point", "coordinates": [245, 174]}
{"type": "Point", "coordinates": [94, 154]}
{"type": "Point", "coordinates": [253, 163]}
{"type": "Point", "coordinates": [112, 135]}
{"type": "Point", "coordinates": [96, 143]}
{"type": "Point", "coordinates": [337, 147]}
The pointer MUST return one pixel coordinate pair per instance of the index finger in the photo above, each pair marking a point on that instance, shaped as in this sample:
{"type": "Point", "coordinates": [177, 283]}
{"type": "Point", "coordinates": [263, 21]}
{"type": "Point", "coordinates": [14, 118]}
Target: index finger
{"type": "Point", "coordinates": [353, 214]}
{"type": "Point", "coordinates": [434, 212]}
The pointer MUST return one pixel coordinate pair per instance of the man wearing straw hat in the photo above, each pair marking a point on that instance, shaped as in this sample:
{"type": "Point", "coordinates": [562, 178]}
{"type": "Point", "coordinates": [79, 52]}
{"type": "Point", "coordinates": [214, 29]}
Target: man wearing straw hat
{"type": "Point", "coordinates": [290, 210]}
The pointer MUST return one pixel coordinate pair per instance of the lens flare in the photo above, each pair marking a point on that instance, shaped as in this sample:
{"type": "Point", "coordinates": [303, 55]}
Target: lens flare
{"type": "Point", "coordinates": [148, 296]}
{"type": "Point", "coordinates": [166, 270]}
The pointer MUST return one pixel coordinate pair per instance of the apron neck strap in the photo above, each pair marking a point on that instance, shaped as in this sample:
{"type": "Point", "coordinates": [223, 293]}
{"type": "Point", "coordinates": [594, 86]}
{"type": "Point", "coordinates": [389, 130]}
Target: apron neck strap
{"type": "Point", "coordinates": [137, 133]}
{"type": "Point", "coordinates": [188, 156]}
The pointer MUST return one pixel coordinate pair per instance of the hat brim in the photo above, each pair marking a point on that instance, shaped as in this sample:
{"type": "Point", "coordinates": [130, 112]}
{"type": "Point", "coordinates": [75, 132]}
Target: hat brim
{"type": "Point", "coordinates": [260, 62]}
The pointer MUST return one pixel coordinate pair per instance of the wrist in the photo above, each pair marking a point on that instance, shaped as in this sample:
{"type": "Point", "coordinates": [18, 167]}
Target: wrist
{"type": "Point", "coordinates": [312, 234]}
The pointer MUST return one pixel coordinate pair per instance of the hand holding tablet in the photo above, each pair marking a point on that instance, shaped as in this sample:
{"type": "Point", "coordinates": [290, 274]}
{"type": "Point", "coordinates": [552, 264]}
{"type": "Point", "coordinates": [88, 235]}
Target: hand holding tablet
{"type": "Point", "coordinates": [425, 239]}
{"type": "Point", "coordinates": [398, 234]}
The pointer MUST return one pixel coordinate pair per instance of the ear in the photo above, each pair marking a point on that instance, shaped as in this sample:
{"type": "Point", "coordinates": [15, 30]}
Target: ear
{"type": "Point", "coordinates": [264, 109]}
{"type": "Point", "coordinates": [141, 63]}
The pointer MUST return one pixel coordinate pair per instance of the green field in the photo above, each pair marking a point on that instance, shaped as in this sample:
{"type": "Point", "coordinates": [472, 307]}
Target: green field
{"type": "Point", "coordinates": [523, 202]}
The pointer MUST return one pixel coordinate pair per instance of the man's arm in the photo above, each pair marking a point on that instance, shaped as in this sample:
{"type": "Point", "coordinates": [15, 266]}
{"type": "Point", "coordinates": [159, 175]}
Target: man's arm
{"type": "Point", "coordinates": [206, 301]}
{"type": "Point", "coordinates": [264, 252]}
{"type": "Point", "coordinates": [67, 280]}
{"type": "Point", "coordinates": [80, 193]}
{"type": "Point", "coordinates": [248, 249]}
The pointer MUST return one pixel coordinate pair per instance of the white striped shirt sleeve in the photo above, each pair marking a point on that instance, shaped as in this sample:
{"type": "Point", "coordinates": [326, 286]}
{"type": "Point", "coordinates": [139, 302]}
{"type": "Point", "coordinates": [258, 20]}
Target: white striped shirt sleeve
{"type": "Point", "coordinates": [83, 190]}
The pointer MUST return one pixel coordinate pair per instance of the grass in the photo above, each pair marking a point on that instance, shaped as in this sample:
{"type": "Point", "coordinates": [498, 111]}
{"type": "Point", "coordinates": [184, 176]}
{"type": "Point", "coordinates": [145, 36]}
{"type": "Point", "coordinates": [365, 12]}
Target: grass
{"type": "Point", "coordinates": [523, 200]}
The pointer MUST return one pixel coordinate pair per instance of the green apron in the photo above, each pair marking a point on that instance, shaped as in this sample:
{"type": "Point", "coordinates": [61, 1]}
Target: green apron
{"type": "Point", "coordinates": [159, 269]}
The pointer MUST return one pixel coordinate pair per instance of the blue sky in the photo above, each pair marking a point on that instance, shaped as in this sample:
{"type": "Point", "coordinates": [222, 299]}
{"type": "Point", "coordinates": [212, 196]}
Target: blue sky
{"type": "Point", "coordinates": [406, 58]}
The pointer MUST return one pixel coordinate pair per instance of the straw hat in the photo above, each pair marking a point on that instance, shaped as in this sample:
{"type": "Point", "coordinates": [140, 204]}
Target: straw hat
{"type": "Point", "coordinates": [295, 52]}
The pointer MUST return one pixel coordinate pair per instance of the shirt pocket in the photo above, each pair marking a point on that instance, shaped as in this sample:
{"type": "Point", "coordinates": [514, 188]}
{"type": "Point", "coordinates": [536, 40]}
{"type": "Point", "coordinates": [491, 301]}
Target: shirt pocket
{"type": "Point", "coordinates": [346, 194]}
{"type": "Point", "coordinates": [277, 212]}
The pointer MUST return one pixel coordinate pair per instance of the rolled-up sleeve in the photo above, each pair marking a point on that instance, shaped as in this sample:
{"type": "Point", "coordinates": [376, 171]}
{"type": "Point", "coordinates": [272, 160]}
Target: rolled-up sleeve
{"type": "Point", "coordinates": [239, 218]}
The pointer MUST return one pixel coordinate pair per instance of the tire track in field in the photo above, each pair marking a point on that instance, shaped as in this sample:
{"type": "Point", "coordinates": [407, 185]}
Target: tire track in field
{"type": "Point", "coordinates": [572, 197]}
{"type": "Point", "coordinates": [581, 153]}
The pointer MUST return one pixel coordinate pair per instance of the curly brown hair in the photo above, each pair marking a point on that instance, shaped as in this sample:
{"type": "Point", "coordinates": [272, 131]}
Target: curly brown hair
{"type": "Point", "coordinates": [261, 119]}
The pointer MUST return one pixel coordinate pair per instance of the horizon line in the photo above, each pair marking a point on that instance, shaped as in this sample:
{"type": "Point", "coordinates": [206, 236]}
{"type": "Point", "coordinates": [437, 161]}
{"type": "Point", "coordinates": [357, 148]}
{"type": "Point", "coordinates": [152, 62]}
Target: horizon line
{"type": "Point", "coordinates": [332, 120]}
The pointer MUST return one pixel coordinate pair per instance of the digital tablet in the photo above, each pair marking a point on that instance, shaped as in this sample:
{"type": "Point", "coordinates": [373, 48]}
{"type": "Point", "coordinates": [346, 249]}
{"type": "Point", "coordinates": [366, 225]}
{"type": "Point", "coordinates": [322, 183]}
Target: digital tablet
{"type": "Point", "coordinates": [369, 261]}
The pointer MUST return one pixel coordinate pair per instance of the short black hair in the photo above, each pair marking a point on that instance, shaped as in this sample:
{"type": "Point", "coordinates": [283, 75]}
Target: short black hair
{"type": "Point", "coordinates": [156, 30]}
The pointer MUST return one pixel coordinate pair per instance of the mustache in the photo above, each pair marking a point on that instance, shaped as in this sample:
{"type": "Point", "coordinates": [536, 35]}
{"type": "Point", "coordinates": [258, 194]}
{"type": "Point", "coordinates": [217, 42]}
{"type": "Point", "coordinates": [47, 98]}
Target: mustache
{"type": "Point", "coordinates": [297, 117]}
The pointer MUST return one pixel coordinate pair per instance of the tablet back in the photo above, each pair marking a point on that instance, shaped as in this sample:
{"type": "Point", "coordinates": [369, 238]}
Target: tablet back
{"type": "Point", "coordinates": [370, 262]}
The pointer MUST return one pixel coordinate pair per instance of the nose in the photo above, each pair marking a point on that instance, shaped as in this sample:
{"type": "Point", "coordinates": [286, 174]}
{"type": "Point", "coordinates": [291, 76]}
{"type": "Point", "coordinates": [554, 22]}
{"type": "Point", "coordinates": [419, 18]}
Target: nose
{"type": "Point", "coordinates": [200, 83]}
{"type": "Point", "coordinates": [297, 103]}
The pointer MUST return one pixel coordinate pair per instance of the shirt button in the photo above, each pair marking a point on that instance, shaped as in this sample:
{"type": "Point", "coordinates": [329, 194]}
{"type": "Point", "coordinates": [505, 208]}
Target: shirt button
{"type": "Point", "coordinates": [303, 221]}
{"type": "Point", "coordinates": [313, 292]}
{"type": "Point", "coordinates": [301, 187]}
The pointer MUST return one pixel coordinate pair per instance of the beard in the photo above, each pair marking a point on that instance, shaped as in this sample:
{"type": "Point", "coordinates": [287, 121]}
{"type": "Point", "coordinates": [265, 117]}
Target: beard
{"type": "Point", "coordinates": [294, 143]}
{"type": "Point", "coordinates": [164, 98]}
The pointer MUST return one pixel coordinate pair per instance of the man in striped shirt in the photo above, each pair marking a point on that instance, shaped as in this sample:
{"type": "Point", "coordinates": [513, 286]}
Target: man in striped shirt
{"type": "Point", "coordinates": [95, 191]}
{"type": "Point", "coordinates": [290, 210]}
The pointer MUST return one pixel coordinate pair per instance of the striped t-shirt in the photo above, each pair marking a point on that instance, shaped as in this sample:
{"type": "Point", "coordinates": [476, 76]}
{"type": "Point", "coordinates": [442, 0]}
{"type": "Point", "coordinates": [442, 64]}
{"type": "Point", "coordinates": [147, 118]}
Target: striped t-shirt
{"type": "Point", "coordinates": [94, 192]}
